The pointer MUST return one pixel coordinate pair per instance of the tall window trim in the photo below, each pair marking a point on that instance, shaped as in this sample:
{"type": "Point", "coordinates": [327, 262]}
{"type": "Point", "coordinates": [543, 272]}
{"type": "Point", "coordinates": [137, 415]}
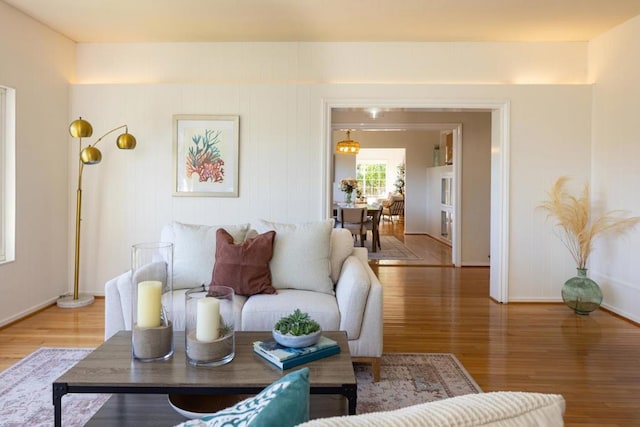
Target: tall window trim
{"type": "Point", "coordinates": [7, 174]}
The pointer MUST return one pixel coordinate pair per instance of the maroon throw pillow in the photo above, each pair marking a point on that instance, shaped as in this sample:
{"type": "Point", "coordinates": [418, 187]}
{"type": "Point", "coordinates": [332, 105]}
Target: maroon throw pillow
{"type": "Point", "coordinates": [244, 266]}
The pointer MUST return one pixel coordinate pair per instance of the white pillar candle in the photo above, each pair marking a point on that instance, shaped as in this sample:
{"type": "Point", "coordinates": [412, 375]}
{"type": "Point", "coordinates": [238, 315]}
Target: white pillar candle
{"type": "Point", "coordinates": [207, 319]}
{"type": "Point", "coordinates": [149, 303]}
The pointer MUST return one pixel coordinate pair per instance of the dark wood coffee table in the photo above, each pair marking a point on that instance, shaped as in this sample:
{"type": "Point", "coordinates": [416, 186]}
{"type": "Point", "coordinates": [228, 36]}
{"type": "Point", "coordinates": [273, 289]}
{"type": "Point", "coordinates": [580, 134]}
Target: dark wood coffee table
{"type": "Point", "coordinates": [110, 369]}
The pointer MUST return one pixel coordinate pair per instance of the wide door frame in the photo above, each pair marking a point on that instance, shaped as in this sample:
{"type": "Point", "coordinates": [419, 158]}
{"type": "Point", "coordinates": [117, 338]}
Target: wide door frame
{"type": "Point", "coordinates": [500, 112]}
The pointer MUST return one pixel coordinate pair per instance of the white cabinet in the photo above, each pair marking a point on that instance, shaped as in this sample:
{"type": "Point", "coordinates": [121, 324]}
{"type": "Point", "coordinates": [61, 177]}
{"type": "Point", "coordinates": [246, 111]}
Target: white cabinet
{"type": "Point", "coordinates": [440, 202]}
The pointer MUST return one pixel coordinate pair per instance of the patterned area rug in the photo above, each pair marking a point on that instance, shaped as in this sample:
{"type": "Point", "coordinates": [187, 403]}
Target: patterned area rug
{"type": "Point", "coordinates": [392, 248]}
{"type": "Point", "coordinates": [406, 379]}
{"type": "Point", "coordinates": [26, 390]}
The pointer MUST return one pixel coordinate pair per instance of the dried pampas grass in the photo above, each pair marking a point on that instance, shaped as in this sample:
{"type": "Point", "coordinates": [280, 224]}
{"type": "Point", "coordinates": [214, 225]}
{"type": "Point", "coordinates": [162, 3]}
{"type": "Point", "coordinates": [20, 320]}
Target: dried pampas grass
{"type": "Point", "coordinates": [573, 218]}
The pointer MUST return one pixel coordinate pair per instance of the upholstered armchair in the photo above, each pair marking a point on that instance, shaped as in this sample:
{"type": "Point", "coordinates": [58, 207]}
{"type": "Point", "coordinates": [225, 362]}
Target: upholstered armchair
{"type": "Point", "coordinates": [395, 208]}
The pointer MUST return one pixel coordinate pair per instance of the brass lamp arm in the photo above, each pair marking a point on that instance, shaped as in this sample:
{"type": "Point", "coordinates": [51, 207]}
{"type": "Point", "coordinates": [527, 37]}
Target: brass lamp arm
{"type": "Point", "coordinates": [126, 129]}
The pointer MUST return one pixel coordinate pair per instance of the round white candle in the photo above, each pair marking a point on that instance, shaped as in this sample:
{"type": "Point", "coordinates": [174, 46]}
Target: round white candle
{"type": "Point", "coordinates": [207, 319]}
{"type": "Point", "coordinates": [149, 303]}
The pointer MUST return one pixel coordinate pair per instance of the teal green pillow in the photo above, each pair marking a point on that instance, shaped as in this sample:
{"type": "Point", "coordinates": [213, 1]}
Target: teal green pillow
{"type": "Point", "coordinates": [282, 404]}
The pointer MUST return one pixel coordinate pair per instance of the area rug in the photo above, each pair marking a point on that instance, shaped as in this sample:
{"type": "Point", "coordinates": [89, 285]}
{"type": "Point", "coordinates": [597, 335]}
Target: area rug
{"type": "Point", "coordinates": [405, 379]}
{"type": "Point", "coordinates": [392, 249]}
{"type": "Point", "coordinates": [410, 378]}
{"type": "Point", "coordinates": [26, 390]}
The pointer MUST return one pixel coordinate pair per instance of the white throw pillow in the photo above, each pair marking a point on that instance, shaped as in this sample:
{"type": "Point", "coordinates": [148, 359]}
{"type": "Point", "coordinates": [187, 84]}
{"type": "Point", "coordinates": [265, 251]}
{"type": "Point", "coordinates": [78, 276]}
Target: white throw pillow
{"type": "Point", "coordinates": [194, 250]}
{"type": "Point", "coordinates": [341, 248]}
{"type": "Point", "coordinates": [353, 295]}
{"type": "Point", "coordinates": [300, 255]}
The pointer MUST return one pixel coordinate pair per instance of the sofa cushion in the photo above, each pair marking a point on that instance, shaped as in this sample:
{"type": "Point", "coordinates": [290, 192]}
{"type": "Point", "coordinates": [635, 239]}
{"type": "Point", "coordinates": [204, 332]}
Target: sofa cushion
{"type": "Point", "coordinates": [341, 248]}
{"type": "Point", "coordinates": [261, 312]}
{"type": "Point", "coordinates": [194, 248]}
{"type": "Point", "coordinates": [352, 291]}
{"type": "Point", "coordinates": [244, 266]}
{"type": "Point", "coordinates": [497, 409]}
{"type": "Point", "coordinates": [285, 403]}
{"type": "Point", "coordinates": [301, 255]}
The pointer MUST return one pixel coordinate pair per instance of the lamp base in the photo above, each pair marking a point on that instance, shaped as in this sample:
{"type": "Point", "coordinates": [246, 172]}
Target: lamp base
{"type": "Point", "coordinates": [68, 301]}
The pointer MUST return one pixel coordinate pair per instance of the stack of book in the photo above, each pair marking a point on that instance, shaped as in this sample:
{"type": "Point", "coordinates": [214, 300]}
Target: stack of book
{"type": "Point", "coordinates": [287, 357]}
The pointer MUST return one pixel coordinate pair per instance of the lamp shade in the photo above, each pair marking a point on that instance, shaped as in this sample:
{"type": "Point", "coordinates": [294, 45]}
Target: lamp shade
{"type": "Point", "coordinates": [90, 155]}
{"type": "Point", "coordinates": [126, 141]}
{"type": "Point", "coordinates": [348, 146]}
{"type": "Point", "coordinates": [80, 128]}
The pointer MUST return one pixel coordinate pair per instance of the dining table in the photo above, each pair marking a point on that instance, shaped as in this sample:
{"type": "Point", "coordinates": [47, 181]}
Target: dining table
{"type": "Point", "coordinates": [373, 211]}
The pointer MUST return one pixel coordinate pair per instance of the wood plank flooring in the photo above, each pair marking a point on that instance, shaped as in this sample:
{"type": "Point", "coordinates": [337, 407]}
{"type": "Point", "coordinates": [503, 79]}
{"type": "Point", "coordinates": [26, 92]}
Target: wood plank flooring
{"type": "Point", "coordinates": [593, 361]}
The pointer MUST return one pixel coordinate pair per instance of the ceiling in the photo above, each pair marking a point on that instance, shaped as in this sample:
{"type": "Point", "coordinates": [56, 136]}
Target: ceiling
{"type": "Point", "coordinates": [329, 20]}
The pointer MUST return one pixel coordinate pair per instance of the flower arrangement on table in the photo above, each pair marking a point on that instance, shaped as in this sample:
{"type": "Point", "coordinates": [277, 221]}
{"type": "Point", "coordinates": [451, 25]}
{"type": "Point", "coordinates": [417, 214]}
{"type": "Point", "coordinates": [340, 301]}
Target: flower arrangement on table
{"type": "Point", "coordinates": [348, 185]}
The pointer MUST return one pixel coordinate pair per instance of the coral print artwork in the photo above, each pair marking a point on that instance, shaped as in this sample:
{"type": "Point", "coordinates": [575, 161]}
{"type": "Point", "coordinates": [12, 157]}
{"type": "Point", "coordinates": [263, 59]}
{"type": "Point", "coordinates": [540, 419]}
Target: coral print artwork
{"type": "Point", "coordinates": [206, 155]}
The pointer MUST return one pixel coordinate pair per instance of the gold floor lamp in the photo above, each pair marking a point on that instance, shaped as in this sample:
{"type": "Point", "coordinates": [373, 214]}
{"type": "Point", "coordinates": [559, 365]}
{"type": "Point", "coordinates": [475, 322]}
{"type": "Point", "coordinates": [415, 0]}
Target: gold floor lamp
{"type": "Point", "coordinates": [89, 155]}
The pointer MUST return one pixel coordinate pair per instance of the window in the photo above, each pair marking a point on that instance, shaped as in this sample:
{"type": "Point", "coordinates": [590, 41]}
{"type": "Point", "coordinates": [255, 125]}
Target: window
{"type": "Point", "coordinates": [7, 174]}
{"type": "Point", "coordinates": [372, 178]}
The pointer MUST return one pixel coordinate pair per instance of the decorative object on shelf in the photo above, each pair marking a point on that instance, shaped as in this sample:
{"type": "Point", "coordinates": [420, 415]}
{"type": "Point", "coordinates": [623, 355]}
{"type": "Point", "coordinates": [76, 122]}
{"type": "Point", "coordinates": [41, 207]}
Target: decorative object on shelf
{"type": "Point", "coordinates": [88, 155]}
{"type": "Point", "coordinates": [448, 149]}
{"type": "Point", "coordinates": [297, 330]}
{"type": "Point", "coordinates": [348, 185]}
{"type": "Point", "coordinates": [152, 301]}
{"type": "Point", "coordinates": [436, 155]}
{"type": "Point", "coordinates": [348, 146]}
{"type": "Point", "coordinates": [209, 327]}
{"type": "Point", "coordinates": [400, 179]}
{"type": "Point", "coordinates": [577, 228]}
{"type": "Point", "coordinates": [205, 155]}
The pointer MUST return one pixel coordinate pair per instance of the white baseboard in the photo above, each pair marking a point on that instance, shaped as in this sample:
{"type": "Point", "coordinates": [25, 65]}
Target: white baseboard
{"type": "Point", "coordinates": [28, 311]}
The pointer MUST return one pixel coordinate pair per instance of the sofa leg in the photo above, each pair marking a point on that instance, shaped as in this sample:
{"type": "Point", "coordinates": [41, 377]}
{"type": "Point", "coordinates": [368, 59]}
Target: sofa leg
{"type": "Point", "coordinates": [375, 365]}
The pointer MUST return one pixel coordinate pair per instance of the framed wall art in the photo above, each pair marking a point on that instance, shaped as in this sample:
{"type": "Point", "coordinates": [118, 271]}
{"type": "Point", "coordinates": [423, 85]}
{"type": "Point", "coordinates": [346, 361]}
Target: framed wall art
{"type": "Point", "coordinates": [205, 155]}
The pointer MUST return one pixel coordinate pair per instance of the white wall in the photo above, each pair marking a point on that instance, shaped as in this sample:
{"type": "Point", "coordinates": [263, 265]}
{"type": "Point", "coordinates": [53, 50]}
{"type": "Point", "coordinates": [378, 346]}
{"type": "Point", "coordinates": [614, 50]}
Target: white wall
{"type": "Point", "coordinates": [128, 196]}
{"type": "Point", "coordinates": [278, 90]}
{"type": "Point", "coordinates": [39, 64]}
{"type": "Point", "coordinates": [442, 63]}
{"type": "Point", "coordinates": [615, 66]}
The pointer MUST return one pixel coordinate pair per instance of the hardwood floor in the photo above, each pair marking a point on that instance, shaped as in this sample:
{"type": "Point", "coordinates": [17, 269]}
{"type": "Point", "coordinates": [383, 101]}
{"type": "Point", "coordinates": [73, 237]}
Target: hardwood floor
{"type": "Point", "coordinates": [591, 360]}
{"type": "Point", "coordinates": [430, 251]}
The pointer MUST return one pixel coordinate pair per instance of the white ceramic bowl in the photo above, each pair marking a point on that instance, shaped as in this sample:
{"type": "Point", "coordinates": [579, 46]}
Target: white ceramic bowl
{"type": "Point", "coordinates": [296, 342]}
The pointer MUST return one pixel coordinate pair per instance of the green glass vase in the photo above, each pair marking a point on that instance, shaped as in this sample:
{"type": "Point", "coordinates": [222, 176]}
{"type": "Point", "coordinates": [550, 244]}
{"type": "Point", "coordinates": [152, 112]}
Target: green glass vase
{"type": "Point", "coordinates": [582, 294]}
{"type": "Point", "coordinates": [348, 199]}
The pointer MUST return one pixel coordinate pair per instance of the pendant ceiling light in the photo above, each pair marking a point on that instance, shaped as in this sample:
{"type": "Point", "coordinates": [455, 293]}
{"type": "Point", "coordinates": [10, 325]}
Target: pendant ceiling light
{"type": "Point", "coordinates": [348, 146]}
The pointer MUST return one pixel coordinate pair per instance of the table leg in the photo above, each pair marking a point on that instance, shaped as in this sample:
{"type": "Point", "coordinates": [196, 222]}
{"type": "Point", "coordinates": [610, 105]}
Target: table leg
{"type": "Point", "coordinates": [59, 390]}
{"type": "Point", "coordinates": [374, 232]}
{"type": "Point", "coordinates": [351, 393]}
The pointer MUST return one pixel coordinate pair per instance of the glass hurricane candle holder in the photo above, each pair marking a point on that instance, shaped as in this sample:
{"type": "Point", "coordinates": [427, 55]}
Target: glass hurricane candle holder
{"type": "Point", "coordinates": [152, 301]}
{"type": "Point", "coordinates": [209, 327]}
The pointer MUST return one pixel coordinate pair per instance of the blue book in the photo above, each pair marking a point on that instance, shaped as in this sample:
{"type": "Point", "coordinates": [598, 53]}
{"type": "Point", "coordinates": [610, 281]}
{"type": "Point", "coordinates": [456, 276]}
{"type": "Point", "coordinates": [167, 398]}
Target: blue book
{"type": "Point", "coordinates": [287, 357]}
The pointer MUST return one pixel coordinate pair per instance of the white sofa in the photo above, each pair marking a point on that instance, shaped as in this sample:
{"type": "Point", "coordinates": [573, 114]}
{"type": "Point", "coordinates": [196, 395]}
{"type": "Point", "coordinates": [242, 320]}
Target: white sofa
{"type": "Point", "coordinates": [496, 409]}
{"type": "Point", "coordinates": [314, 268]}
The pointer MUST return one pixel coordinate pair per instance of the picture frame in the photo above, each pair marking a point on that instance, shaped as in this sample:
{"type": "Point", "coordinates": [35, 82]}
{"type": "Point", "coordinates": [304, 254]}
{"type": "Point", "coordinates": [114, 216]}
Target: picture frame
{"type": "Point", "coordinates": [205, 155]}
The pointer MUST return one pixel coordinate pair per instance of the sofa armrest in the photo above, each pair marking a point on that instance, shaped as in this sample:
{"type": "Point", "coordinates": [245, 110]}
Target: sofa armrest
{"type": "Point", "coordinates": [116, 315]}
{"type": "Point", "coordinates": [368, 343]}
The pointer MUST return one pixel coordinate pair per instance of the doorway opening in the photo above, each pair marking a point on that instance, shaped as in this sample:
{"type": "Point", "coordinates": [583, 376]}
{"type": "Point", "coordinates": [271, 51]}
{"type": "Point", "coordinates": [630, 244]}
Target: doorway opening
{"type": "Point", "coordinates": [497, 164]}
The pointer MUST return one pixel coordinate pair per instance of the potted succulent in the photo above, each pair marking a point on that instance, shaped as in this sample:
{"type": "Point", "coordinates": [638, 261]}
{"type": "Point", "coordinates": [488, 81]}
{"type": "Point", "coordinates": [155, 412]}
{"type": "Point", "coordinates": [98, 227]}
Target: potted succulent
{"type": "Point", "coordinates": [296, 330]}
{"type": "Point", "coordinates": [577, 229]}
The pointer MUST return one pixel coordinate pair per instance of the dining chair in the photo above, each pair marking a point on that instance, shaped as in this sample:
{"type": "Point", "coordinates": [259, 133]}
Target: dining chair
{"type": "Point", "coordinates": [353, 220]}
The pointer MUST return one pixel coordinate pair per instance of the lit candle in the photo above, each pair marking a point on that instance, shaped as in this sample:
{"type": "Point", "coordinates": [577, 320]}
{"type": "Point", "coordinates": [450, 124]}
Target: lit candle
{"type": "Point", "coordinates": [149, 303]}
{"type": "Point", "coordinates": [207, 319]}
